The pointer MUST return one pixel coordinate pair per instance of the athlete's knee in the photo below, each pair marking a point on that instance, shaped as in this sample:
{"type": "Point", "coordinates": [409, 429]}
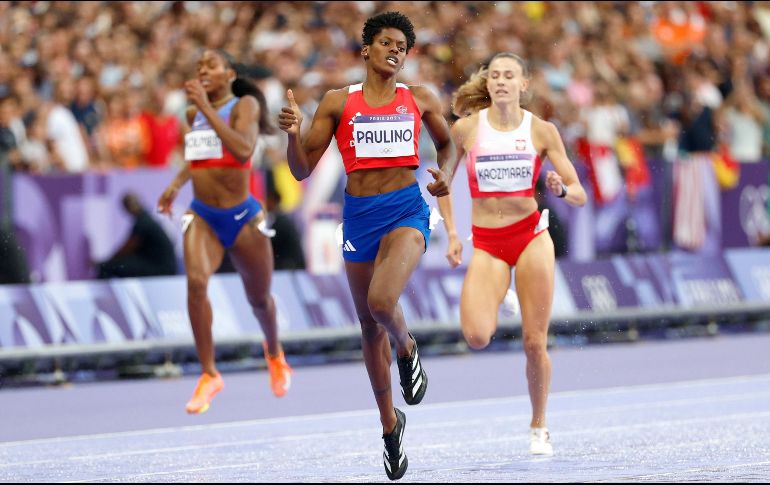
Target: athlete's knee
{"type": "Point", "coordinates": [261, 301]}
{"type": "Point", "coordinates": [477, 340]}
{"type": "Point", "coordinates": [366, 320]}
{"type": "Point", "coordinates": [370, 329]}
{"type": "Point", "coordinates": [382, 306]}
{"type": "Point", "coordinates": [536, 346]}
{"type": "Point", "coordinates": [197, 284]}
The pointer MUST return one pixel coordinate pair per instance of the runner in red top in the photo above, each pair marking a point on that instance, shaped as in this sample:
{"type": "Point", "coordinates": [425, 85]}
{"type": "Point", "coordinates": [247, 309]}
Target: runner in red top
{"type": "Point", "coordinates": [505, 146]}
{"type": "Point", "coordinates": [385, 219]}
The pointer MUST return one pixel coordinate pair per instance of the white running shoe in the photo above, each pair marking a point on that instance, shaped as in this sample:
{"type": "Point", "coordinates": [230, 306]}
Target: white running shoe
{"type": "Point", "coordinates": [540, 442]}
{"type": "Point", "coordinates": [511, 306]}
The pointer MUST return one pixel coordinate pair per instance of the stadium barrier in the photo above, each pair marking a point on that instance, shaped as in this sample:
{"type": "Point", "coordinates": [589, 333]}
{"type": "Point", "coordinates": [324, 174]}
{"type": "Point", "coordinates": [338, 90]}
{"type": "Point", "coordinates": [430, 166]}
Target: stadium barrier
{"type": "Point", "coordinates": [143, 322]}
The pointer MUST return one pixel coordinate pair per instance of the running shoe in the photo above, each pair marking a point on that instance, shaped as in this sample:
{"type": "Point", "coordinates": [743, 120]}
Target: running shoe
{"type": "Point", "coordinates": [394, 457]}
{"type": "Point", "coordinates": [207, 388]}
{"type": "Point", "coordinates": [280, 372]}
{"type": "Point", "coordinates": [414, 380]}
{"type": "Point", "coordinates": [511, 306]}
{"type": "Point", "coordinates": [540, 442]}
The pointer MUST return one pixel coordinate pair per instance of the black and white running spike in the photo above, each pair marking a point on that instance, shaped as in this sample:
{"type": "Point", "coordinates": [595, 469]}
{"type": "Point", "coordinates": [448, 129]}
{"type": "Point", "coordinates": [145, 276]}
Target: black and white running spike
{"type": "Point", "coordinates": [414, 380]}
{"type": "Point", "coordinates": [394, 457]}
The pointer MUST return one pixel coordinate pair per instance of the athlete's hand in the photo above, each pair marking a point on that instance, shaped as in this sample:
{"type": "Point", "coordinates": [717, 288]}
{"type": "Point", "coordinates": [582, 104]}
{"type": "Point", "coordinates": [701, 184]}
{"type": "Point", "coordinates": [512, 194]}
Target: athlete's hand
{"type": "Point", "coordinates": [554, 182]}
{"type": "Point", "coordinates": [454, 252]}
{"type": "Point", "coordinates": [440, 187]}
{"type": "Point", "coordinates": [195, 93]}
{"type": "Point", "coordinates": [290, 118]}
{"type": "Point", "coordinates": [167, 199]}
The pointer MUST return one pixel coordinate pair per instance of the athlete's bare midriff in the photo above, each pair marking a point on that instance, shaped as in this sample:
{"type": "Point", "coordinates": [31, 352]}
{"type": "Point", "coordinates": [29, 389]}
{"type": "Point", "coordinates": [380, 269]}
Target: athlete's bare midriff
{"type": "Point", "coordinates": [373, 181]}
{"type": "Point", "coordinates": [220, 187]}
{"type": "Point", "coordinates": [501, 211]}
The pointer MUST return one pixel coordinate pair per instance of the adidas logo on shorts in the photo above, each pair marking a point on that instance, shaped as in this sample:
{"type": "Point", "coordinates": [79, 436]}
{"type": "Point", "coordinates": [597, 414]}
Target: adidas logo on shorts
{"type": "Point", "coordinates": [348, 246]}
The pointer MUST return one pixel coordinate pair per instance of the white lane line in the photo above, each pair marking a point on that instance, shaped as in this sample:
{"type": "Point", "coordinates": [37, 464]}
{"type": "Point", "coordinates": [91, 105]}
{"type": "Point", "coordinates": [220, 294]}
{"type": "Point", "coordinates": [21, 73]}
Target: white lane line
{"type": "Point", "coordinates": [372, 412]}
{"type": "Point", "coordinates": [369, 430]}
{"type": "Point", "coordinates": [587, 431]}
{"type": "Point", "coordinates": [714, 469]}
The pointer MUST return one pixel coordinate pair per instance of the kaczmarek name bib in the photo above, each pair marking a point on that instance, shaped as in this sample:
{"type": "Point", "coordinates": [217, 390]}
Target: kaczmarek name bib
{"type": "Point", "coordinates": [504, 173]}
{"type": "Point", "coordinates": [202, 145]}
{"type": "Point", "coordinates": [378, 136]}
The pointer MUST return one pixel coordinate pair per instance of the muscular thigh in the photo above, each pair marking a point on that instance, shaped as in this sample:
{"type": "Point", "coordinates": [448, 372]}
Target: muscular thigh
{"type": "Point", "coordinates": [359, 277]}
{"type": "Point", "coordinates": [203, 252]}
{"type": "Point", "coordinates": [399, 253]}
{"type": "Point", "coordinates": [252, 255]}
{"type": "Point", "coordinates": [487, 279]}
{"type": "Point", "coordinates": [534, 284]}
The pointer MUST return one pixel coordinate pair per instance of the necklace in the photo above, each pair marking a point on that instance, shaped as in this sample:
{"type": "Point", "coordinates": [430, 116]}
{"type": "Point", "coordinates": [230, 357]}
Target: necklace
{"type": "Point", "coordinates": [223, 101]}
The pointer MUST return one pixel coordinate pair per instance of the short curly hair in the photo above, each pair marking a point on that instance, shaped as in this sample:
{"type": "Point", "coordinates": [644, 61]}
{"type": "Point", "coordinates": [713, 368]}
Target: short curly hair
{"type": "Point", "coordinates": [395, 20]}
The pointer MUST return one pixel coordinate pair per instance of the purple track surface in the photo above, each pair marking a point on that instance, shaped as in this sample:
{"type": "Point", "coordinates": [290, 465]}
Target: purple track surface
{"type": "Point", "coordinates": [687, 410]}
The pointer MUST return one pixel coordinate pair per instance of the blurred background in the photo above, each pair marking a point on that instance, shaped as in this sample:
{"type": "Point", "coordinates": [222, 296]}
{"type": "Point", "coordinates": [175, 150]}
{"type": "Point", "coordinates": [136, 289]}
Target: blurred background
{"type": "Point", "coordinates": [664, 108]}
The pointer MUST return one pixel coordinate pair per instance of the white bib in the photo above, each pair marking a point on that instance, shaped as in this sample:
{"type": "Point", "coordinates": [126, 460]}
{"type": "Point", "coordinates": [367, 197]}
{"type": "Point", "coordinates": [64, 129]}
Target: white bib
{"type": "Point", "coordinates": [504, 173]}
{"type": "Point", "coordinates": [382, 136]}
{"type": "Point", "coordinates": [202, 145]}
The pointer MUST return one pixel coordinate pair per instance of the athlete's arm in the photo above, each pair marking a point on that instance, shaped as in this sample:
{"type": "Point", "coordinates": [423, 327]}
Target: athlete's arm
{"type": "Point", "coordinates": [459, 132]}
{"type": "Point", "coordinates": [181, 178]}
{"type": "Point", "coordinates": [433, 118]}
{"type": "Point", "coordinates": [167, 197]}
{"type": "Point", "coordinates": [548, 141]}
{"type": "Point", "coordinates": [240, 138]}
{"type": "Point", "coordinates": [303, 156]}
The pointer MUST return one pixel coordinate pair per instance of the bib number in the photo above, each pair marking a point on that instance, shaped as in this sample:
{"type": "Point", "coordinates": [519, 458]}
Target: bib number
{"type": "Point", "coordinates": [383, 136]}
{"type": "Point", "coordinates": [202, 145]}
{"type": "Point", "coordinates": [504, 173]}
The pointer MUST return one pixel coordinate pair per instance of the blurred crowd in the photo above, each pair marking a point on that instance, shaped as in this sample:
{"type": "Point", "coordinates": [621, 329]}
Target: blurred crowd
{"type": "Point", "coordinates": [98, 85]}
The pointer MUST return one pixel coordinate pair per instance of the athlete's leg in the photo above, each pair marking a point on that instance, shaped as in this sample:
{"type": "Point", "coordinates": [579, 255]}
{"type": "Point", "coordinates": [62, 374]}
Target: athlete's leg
{"type": "Point", "coordinates": [375, 288]}
{"type": "Point", "coordinates": [252, 256]}
{"type": "Point", "coordinates": [202, 255]}
{"type": "Point", "coordinates": [487, 279]}
{"type": "Point", "coordinates": [534, 286]}
{"type": "Point", "coordinates": [398, 256]}
{"type": "Point", "coordinates": [374, 341]}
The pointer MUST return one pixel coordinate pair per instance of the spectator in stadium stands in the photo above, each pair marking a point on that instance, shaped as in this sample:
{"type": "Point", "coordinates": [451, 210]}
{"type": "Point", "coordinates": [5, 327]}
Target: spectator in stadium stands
{"type": "Point", "coordinates": [163, 129]}
{"type": "Point", "coordinates": [696, 203]}
{"type": "Point", "coordinates": [744, 120]}
{"type": "Point", "coordinates": [63, 135]}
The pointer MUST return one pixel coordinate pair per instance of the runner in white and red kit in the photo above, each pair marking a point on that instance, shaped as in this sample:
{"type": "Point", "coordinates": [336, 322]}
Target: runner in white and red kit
{"type": "Point", "coordinates": [505, 147]}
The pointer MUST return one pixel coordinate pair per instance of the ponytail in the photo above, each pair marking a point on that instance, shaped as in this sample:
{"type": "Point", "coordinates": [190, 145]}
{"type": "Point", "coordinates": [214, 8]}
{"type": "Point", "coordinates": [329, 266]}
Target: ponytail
{"type": "Point", "coordinates": [472, 96]}
{"type": "Point", "coordinates": [243, 87]}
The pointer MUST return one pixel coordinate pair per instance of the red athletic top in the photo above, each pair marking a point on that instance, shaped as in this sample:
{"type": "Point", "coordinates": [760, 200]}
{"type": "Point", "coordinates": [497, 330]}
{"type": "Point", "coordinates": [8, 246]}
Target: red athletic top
{"type": "Point", "coordinates": [379, 137]}
{"type": "Point", "coordinates": [503, 163]}
{"type": "Point", "coordinates": [203, 147]}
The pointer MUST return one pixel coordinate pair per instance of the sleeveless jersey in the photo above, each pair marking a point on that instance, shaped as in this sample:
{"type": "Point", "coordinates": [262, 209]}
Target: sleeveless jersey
{"type": "Point", "coordinates": [503, 163]}
{"type": "Point", "coordinates": [381, 137]}
{"type": "Point", "coordinates": [203, 147]}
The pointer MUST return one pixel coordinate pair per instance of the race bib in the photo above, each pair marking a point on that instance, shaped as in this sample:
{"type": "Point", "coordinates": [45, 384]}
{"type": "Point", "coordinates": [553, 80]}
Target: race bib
{"type": "Point", "coordinates": [379, 136]}
{"type": "Point", "coordinates": [202, 145]}
{"type": "Point", "coordinates": [504, 173]}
